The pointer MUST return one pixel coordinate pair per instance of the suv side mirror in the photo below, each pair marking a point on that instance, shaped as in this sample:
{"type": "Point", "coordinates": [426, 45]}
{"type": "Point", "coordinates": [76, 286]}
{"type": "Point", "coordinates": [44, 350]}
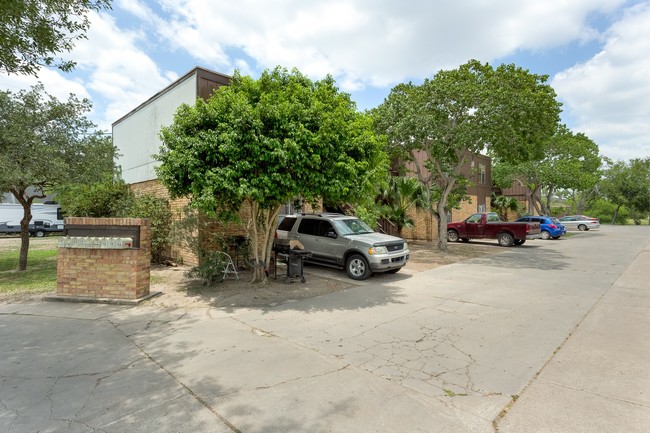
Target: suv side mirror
{"type": "Point", "coordinates": [331, 234]}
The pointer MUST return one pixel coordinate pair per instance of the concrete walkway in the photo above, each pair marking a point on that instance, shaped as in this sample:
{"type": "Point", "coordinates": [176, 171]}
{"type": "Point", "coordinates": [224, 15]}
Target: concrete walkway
{"type": "Point", "coordinates": [555, 331]}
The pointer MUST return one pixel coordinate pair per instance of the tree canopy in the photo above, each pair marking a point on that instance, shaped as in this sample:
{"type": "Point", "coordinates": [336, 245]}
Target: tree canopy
{"type": "Point", "coordinates": [34, 32]}
{"type": "Point", "coordinates": [569, 162]}
{"type": "Point", "coordinates": [627, 184]}
{"type": "Point", "coordinates": [504, 111]}
{"type": "Point", "coordinates": [45, 143]}
{"type": "Point", "coordinates": [261, 143]}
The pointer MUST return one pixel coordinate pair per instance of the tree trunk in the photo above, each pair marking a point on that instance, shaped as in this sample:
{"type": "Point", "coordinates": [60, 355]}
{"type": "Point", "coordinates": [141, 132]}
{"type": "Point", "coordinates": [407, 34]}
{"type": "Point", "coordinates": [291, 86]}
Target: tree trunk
{"type": "Point", "coordinates": [262, 221]}
{"type": "Point", "coordinates": [546, 208]}
{"type": "Point", "coordinates": [441, 209]}
{"type": "Point", "coordinates": [615, 214]}
{"type": "Point", "coordinates": [442, 223]}
{"type": "Point", "coordinates": [24, 230]}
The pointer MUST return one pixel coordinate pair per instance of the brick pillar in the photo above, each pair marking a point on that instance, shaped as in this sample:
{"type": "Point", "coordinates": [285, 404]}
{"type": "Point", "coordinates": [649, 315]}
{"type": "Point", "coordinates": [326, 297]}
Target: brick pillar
{"type": "Point", "coordinates": [106, 273]}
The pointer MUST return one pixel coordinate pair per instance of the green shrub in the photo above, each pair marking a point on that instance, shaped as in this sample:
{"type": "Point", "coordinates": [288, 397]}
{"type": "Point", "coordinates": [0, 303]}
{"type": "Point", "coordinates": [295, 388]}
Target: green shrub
{"type": "Point", "coordinates": [104, 199]}
{"type": "Point", "coordinates": [159, 213]}
{"type": "Point", "coordinates": [605, 210]}
{"type": "Point", "coordinates": [210, 269]}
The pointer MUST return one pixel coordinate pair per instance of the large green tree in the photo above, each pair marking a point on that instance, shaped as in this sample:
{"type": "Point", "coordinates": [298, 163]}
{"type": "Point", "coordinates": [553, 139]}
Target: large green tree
{"type": "Point", "coordinates": [627, 184]}
{"type": "Point", "coordinates": [504, 111]}
{"type": "Point", "coordinates": [45, 143]}
{"type": "Point", "coordinates": [260, 143]}
{"type": "Point", "coordinates": [34, 32]}
{"type": "Point", "coordinates": [570, 162]}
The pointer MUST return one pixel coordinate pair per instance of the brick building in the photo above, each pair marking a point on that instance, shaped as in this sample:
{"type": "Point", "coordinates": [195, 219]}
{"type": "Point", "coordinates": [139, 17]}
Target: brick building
{"type": "Point", "coordinates": [136, 137]}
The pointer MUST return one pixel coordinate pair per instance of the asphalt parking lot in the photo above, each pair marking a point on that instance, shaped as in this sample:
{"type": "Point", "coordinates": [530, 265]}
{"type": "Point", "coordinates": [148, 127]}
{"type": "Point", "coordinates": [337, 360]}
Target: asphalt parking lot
{"type": "Point", "coordinates": [551, 336]}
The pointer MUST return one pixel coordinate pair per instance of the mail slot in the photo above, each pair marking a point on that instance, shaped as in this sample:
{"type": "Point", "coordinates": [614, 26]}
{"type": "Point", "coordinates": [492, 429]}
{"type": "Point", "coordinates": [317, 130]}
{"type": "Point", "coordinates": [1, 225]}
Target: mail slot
{"type": "Point", "coordinates": [95, 242]}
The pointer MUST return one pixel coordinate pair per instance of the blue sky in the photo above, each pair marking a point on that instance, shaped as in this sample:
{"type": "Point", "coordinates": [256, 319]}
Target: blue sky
{"type": "Point", "coordinates": [596, 52]}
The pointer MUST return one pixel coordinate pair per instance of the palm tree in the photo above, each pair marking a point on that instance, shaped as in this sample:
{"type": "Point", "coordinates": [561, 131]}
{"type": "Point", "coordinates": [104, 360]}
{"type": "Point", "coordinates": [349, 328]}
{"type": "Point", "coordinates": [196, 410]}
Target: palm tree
{"type": "Point", "coordinates": [503, 204]}
{"type": "Point", "coordinates": [398, 198]}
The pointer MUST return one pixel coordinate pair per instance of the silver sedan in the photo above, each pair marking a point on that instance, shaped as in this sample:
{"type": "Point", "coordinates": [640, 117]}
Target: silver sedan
{"type": "Point", "coordinates": [580, 222]}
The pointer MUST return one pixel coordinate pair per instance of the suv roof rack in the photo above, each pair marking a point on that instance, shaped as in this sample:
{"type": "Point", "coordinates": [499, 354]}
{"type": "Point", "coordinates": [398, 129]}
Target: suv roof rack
{"type": "Point", "coordinates": [322, 214]}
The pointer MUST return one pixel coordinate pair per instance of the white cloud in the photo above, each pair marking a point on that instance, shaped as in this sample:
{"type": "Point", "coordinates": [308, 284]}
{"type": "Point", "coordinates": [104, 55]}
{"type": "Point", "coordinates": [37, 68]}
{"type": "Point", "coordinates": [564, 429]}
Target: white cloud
{"type": "Point", "coordinates": [111, 70]}
{"type": "Point", "coordinates": [607, 97]}
{"type": "Point", "coordinates": [119, 72]}
{"type": "Point", "coordinates": [375, 43]}
{"type": "Point", "coordinates": [366, 45]}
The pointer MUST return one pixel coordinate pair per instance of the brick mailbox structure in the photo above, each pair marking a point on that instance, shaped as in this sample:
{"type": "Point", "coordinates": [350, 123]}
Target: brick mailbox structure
{"type": "Point", "coordinates": [104, 259]}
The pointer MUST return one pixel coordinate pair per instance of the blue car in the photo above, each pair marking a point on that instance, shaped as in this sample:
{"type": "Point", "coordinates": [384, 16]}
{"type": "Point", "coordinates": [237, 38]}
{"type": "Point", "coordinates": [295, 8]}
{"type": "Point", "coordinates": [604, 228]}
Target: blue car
{"type": "Point", "coordinates": [551, 227]}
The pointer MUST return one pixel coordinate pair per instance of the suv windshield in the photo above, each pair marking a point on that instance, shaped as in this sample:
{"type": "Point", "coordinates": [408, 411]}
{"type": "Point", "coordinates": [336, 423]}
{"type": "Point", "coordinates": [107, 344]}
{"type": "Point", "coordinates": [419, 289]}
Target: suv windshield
{"type": "Point", "coordinates": [351, 226]}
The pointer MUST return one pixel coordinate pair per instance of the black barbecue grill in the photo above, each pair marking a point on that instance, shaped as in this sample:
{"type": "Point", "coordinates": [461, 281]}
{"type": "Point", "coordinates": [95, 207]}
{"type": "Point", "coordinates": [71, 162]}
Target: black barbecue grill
{"type": "Point", "coordinates": [293, 257]}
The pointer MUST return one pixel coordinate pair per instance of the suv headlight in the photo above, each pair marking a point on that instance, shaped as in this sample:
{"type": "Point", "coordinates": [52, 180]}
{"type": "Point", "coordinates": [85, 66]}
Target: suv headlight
{"type": "Point", "coordinates": [377, 250]}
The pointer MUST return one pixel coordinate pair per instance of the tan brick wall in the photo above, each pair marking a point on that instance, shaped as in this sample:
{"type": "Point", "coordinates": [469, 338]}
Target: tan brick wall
{"type": "Point", "coordinates": [426, 225]}
{"type": "Point", "coordinates": [179, 251]}
{"type": "Point", "coordinates": [106, 273]}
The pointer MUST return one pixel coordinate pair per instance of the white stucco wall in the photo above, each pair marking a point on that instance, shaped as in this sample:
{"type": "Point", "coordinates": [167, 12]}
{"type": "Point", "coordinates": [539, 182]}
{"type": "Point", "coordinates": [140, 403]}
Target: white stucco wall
{"type": "Point", "coordinates": [136, 135]}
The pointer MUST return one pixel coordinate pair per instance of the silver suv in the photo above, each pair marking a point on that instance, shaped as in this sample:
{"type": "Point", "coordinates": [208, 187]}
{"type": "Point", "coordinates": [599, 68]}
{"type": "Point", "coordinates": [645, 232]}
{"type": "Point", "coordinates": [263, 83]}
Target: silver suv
{"type": "Point", "coordinates": [345, 241]}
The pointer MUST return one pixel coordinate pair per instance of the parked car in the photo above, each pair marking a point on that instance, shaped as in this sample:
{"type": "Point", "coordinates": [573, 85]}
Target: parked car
{"type": "Point", "coordinates": [346, 242]}
{"type": "Point", "coordinates": [489, 226]}
{"type": "Point", "coordinates": [38, 228]}
{"type": "Point", "coordinates": [550, 227]}
{"type": "Point", "coordinates": [580, 222]}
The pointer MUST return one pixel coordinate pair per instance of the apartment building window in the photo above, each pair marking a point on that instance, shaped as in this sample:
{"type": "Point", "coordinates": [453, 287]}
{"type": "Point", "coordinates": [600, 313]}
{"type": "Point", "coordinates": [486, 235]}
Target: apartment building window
{"type": "Point", "coordinates": [481, 173]}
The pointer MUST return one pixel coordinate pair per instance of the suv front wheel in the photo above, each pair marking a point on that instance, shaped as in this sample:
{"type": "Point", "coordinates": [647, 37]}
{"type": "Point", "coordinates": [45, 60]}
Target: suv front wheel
{"type": "Point", "coordinates": [357, 267]}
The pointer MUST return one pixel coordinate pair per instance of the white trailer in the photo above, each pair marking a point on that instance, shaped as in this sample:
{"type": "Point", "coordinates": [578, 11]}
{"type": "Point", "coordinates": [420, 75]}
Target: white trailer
{"type": "Point", "coordinates": [45, 218]}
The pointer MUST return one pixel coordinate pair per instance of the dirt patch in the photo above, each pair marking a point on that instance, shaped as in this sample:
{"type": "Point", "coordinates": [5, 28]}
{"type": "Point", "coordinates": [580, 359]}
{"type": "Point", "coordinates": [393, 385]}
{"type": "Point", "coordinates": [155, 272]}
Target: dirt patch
{"type": "Point", "coordinates": [179, 291]}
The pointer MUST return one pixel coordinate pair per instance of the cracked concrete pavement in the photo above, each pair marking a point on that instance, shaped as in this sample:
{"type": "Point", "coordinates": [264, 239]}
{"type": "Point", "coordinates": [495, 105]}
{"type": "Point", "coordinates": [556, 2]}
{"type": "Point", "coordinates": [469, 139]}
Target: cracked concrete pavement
{"type": "Point", "coordinates": [556, 332]}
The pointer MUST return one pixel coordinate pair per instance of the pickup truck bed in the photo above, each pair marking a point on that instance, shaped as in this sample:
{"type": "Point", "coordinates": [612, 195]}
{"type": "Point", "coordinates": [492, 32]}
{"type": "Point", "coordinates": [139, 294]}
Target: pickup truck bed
{"type": "Point", "coordinates": [489, 226]}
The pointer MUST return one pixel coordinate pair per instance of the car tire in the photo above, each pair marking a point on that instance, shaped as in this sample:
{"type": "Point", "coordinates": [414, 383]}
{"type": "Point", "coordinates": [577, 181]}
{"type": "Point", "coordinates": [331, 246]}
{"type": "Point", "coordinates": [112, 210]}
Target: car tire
{"type": "Point", "coordinates": [39, 233]}
{"type": "Point", "coordinates": [519, 242]}
{"type": "Point", "coordinates": [582, 228]}
{"type": "Point", "coordinates": [546, 235]}
{"type": "Point", "coordinates": [452, 236]}
{"type": "Point", "coordinates": [506, 239]}
{"type": "Point", "coordinates": [357, 267]}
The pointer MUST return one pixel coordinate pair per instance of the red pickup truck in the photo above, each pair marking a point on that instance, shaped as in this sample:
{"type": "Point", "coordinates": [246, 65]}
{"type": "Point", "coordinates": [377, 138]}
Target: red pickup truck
{"type": "Point", "coordinates": [489, 226]}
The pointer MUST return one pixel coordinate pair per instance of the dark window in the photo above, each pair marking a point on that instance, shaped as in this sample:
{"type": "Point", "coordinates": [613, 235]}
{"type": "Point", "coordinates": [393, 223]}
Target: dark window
{"type": "Point", "coordinates": [315, 227]}
{"type": "Point", "coordinates": [308, 227]}
{"type": "Point", "coordinates": [287, 224]}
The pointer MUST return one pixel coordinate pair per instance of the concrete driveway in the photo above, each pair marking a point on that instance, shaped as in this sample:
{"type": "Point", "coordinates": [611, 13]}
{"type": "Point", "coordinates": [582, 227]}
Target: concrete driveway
{"type": "Point", "coordinates": [548, 337]}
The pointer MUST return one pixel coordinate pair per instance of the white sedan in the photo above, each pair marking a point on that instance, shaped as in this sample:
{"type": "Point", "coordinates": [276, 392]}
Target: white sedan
{"type": "Point", "coordinates": [580, 222]}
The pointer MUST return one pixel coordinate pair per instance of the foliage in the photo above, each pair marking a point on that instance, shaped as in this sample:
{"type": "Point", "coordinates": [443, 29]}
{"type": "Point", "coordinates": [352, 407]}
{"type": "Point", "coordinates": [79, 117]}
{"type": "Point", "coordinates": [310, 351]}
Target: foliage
{"type": "Point", "coordinates": [505, 111]}
{"type": "Point", "coordinates": [210, 268]}
{"type": "Point", "coordinates": [628, 184]}
{"type": "Point", "coordinates": [401, 195]}
{"type": "Point", "coordinates": [260, 143]}
{"type": "Point", "coordinates": [44, 143]}
{"type": "Point", "coordinates": [503, 205]}
{"type": "Point", "coordinates": [569, 162]}
{"type": "Point", "coordinates": [114, 198]}
{"type": "Point", "coordinates": [104, 199]}
{"type": "Point", "coordinates": [605, 211]}
{"type": "Point", "coordinates": [160, 216]}
{"type": "Point", "coordinates": [32, 32]}
{"type": "Point", "coordinates": [40, 277]}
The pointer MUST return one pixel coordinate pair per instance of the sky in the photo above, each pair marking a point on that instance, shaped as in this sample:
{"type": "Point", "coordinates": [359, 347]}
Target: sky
{"type": "Point", "coordinates": [595, 52]}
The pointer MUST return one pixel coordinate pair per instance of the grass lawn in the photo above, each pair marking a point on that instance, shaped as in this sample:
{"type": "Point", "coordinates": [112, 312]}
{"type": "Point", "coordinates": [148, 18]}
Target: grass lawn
{"type": "Point", "coordinates": [39, 277]}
